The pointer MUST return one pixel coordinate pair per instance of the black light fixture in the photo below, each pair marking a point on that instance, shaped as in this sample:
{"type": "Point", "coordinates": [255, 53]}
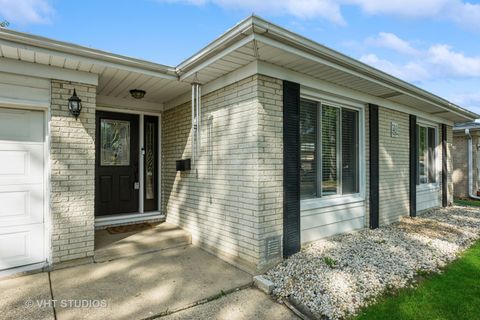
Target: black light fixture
{"type": "Point", "coordinates": [75, 104]}
{"type": "Point", "coordinates": [137, 93]}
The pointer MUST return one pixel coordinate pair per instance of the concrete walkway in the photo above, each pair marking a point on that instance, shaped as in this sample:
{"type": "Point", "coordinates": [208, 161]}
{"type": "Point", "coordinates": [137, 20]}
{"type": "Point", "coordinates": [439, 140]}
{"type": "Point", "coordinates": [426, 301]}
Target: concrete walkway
{"type": "Point", "coordinates": [245, 304]}
{"type": "Point", "coordinates": [138, 287]}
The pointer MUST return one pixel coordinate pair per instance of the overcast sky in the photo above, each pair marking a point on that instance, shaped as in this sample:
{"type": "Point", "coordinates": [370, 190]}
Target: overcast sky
{"type": "Point", "coordinates": [434, 44]}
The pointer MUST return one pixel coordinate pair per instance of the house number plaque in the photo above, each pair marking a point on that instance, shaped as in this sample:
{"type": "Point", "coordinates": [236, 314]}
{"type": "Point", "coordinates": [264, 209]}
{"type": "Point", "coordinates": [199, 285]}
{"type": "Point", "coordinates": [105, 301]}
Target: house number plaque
{"type": "Point", "coordinates": [394, 129]}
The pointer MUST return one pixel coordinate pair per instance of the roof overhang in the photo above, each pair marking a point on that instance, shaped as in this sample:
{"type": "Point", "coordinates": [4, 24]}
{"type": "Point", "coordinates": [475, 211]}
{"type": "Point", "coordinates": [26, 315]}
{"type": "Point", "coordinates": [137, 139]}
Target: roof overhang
{"type": "Point", "coordinates": [253, 39]}
{"type": "Point", "coordinates": [257, 39]}
{"type": "Point", "coordinates": [114, 74]}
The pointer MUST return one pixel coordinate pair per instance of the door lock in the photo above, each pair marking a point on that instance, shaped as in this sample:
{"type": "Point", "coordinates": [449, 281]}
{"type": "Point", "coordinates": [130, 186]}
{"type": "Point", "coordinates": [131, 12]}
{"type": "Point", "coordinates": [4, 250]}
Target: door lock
{"type": "Point", "coordinates": [136, 185]}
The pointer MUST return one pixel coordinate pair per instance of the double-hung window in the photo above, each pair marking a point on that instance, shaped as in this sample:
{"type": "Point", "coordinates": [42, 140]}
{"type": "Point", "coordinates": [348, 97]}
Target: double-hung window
{"type": "Point", "coordinates": [329, 150]}
{"type": "Point", "coordinates": [427, 140]}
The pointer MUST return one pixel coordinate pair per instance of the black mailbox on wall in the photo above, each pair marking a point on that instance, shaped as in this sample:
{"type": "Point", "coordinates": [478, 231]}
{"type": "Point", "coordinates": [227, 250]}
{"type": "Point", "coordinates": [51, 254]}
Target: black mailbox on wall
{"type": "Point", "coordinates": [182, 165]}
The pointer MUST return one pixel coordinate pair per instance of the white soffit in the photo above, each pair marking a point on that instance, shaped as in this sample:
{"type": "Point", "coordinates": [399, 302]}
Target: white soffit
{"type": "Point", "coordinates": [256, 49]}
{"type": "Point", "coordinates": [115, 74]}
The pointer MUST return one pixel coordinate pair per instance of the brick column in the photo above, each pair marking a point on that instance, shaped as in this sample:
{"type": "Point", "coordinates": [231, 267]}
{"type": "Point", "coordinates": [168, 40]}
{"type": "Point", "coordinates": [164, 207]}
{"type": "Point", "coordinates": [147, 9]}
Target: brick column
{"type": "Point", "coordinates": [72, 161]}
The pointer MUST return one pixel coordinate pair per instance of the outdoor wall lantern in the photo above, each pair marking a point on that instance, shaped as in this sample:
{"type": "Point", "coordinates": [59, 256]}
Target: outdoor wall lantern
{"type": "Point", "coordinates": [75, 105]}
{"type": "Point", "coordinates": [137, 93]}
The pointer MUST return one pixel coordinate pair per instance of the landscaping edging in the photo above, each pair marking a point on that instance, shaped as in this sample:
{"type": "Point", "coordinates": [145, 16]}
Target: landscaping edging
{"type": "Point", "coordinates": [336, 277]}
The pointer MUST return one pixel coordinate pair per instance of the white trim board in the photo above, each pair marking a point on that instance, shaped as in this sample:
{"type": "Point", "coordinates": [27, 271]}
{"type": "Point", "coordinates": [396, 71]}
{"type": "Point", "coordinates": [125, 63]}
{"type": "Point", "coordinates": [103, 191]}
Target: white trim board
{"type": "Point", "coordinates": [218, 56]}
{"type": "Point", "coordinates": [331, 89]}
{"type": "Point", "coordinates": [128, 104]}
{"type": "Point", "coordinates": [129, 111]}
{"type": "Point", "coordinates": [309, 85]}
{"type": "Point", "coordinates": [118, 219]}
{"type": "Point", "coordinates": [141, 166]}
{"type": "Point", "coordinates": [246, 71]}
{"type": "Point", "coordinates": [43, 71]}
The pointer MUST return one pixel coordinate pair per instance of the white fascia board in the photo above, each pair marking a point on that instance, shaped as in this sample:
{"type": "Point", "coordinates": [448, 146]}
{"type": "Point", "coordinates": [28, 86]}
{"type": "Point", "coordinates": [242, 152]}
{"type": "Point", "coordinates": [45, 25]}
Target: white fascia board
{"type": "Point", "coordinates": [243, 27]}
{"type": "Point", "coordinates": [311, 85]}
{"type": "Point", "coordinates": [48, 72]}
{"type": "Point", "coordinates": [450, 108]}
{"type": "Point", "coordinates": [128, 104]}
{"type": "Point", "coordinates": [216, 57]}
{"type": "Point", "coordinates": [339, 59]}
{"type": "Point", "coordinates": [223, 81]}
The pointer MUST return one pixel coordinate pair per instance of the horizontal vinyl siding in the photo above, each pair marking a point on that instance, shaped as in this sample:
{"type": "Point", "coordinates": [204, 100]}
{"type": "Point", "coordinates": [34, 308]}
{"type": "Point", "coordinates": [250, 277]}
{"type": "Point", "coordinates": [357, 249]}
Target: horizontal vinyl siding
{"type": "Point", "coordinates": [394, 166]}
{"type": "Point", "coordinates": [428, 198]}
{"type": "Point", "coordinates": [323, 222]}
{"type": "Point", "coordinates": [24, 90]}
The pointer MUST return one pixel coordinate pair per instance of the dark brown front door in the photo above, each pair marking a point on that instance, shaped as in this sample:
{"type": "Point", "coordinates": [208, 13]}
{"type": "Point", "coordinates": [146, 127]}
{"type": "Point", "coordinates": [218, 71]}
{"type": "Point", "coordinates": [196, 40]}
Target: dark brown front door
{"type": "Point", "coordinates": [116, 170]}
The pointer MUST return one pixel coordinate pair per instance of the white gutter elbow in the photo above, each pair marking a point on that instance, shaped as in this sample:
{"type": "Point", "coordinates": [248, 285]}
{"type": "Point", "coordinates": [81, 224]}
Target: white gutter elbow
{"type": "Point", "coordinates": [469, 166]}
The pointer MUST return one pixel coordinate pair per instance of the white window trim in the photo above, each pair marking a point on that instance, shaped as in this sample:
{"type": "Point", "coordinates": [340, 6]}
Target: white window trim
{"type": "Point", "coordinates": [334, 200]}
{"type": "Point", "coordinates": [432, 186]}
{"type": "Point", "coordinates": [330, 201]}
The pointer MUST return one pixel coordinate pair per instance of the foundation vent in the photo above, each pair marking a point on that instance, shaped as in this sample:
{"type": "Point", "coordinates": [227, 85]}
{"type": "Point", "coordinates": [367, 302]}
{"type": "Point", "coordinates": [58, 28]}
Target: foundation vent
{"type": "Point", "coordinates": [273, 247]}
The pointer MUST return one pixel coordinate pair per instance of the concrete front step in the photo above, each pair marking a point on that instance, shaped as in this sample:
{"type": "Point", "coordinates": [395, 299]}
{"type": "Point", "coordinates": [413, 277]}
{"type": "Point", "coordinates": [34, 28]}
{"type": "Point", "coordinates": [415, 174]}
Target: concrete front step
{"type": "Point", "coordinates": [163, 236]}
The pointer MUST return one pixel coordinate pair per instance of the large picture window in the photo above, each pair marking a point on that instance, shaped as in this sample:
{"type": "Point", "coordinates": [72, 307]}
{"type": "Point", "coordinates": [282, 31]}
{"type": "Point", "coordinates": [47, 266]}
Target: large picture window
{"type": "Point", "coordinates": [329, 150]}
{"type": "Point", "coordinates": [426, 154]}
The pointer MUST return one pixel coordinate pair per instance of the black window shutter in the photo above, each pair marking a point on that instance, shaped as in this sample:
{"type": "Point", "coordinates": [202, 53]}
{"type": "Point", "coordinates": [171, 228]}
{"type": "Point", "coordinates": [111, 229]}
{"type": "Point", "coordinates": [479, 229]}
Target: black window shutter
{"type": "Point", "coordinates": [291, 168]}
{"type": "Point", "coordinates": [444, 166]}
{"type": "Point", "coordinates": [413, 165]}
{"type": "Point", "coordinates": [374, 166]}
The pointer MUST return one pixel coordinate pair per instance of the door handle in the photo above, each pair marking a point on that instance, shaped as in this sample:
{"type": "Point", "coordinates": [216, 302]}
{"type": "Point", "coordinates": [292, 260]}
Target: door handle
{"type": "Point", "coordinates": [136, 184]}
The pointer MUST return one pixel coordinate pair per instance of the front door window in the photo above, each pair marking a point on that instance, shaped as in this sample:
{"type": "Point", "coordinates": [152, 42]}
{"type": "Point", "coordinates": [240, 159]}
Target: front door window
{"type": "Point", "coordinates": [150, 132]}
{"type": "Point", "coordinates": [150, 164]}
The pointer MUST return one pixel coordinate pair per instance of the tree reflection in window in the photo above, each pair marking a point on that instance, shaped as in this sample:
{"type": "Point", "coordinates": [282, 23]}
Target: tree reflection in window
{"type": "Point", "coordinates": [115, 142]}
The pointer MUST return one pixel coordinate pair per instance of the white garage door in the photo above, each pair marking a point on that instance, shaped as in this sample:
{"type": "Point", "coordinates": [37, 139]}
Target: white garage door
{"type": "Point", "coordinates": [21, 188]}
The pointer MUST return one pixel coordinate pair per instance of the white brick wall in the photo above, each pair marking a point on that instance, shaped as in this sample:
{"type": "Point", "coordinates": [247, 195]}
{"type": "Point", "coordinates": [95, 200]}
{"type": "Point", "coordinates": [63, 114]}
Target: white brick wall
{"type": "Point", "coordinates": [270, 160]}
{"type": "Point", "coordinates": [460, 177]}
{"type": "Point", "coordinates": [72, 172]}
{"type": "Point", "coordinates": [459, 158]}
{"type": "Point", "coordinates": [232, 200]}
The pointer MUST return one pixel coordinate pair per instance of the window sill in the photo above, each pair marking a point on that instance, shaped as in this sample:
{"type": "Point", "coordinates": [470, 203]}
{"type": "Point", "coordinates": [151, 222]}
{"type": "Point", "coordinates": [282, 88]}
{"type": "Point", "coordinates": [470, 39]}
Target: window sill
{"type": "Point", "coordinates": [309, 204]}
{"type": "Point", "coordinates": [428, 187]}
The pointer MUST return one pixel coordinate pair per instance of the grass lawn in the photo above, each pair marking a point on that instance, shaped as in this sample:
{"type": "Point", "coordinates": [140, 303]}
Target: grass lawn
{"type": "Point", "coordinates": [454, 294]}
{"type": "Point", "coordinates": [467, 202]}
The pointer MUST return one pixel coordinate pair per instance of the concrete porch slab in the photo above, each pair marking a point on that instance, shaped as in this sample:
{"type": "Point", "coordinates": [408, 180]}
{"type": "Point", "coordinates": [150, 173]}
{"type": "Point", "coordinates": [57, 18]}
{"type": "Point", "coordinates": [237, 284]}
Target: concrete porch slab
{"type": "Point", "coordinates": [245, 304]}
{"type": "Point", "coordinates": [163, 236]}
{"type": "Point", "coordinates": [24, 297]}
{"type": "Point", "coordinates": [145, 285]}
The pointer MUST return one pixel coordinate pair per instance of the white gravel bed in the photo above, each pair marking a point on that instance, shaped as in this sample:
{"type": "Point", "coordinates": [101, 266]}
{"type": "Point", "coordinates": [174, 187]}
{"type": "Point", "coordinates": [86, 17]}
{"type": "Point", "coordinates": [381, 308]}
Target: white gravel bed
{"type": "Point", "coordinates": [338, 276]}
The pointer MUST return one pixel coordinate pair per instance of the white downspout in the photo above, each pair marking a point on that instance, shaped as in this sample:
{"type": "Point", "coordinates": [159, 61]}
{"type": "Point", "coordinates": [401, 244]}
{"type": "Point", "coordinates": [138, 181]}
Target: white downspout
{"type": "Point", "coordinates": [194, 126]}
{"type": "Point", "coordinates": [469, 166]}
{"type": "Point", "coordinates": [196, 121]}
